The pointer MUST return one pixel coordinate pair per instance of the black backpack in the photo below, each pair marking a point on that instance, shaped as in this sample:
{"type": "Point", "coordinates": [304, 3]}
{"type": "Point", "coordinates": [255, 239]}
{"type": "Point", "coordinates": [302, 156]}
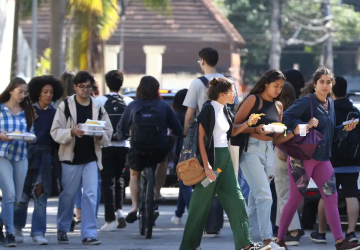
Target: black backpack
{"type": "Point", "coordinates": [349, 147]}
{"type": "Point", "coordinates": [114, 106]}
{"type": "Point", "coordinates": [145, 128]}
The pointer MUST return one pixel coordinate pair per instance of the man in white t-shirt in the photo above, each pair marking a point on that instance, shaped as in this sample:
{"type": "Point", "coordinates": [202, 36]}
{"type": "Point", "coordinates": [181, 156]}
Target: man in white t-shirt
{"type": "Point", "coordinates": [197, 93]}
{"type": "Point", "coordinates": [114, 155]}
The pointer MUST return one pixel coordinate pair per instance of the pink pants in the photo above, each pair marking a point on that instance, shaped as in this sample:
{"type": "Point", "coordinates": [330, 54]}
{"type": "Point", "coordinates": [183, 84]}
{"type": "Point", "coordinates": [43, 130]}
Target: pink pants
{"type": "Point", "coordinates": [322, 173]}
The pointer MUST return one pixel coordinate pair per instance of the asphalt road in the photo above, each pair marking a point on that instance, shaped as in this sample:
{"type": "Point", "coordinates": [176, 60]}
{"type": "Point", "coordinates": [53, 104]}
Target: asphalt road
{"type": "Point", "coordinates": [166, 236]}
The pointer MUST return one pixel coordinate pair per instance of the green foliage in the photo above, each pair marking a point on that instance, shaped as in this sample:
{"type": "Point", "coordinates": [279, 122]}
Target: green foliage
{"type": "Point", "coordinates": [252, 19]}
{"type": "Point", "coordinates": [43, 64]}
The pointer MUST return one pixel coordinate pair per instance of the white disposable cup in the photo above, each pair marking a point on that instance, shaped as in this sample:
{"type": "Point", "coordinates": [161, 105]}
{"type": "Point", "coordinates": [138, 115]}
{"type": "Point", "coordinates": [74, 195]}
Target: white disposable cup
{"type": "Point", "coordinates": [302, 128]}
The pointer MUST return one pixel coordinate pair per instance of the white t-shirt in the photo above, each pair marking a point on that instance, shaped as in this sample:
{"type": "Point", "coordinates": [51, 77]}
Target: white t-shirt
{"type": "Point", "coordinates": [222, 126]}
{"type": "Point", "coordinates": [127, 101]}
{"type": "Point", "coordinates": [197, 93]}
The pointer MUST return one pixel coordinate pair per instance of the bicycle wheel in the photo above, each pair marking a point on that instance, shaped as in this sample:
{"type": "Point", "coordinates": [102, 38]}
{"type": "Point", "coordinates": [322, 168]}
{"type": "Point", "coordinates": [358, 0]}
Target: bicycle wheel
{"type": "Point", "coordinates": [149, 202]}
{"type": "Point", "coordinates": [141, 205]}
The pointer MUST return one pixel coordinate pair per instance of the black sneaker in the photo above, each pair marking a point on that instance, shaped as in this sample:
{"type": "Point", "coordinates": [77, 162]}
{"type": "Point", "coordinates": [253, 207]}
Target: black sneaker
{"type": "Point", "coordinates": [292, 241]}
{"type": "Point", "coordinates": [318, 237]}
{"type": "Point", "coordinates": [2, 237]}
{"type": "Point", "coordinates": [351, 237]}
{"type": "Point", "coordinates": [155, 216]}
{"type": "Point", "coordinates": [62, 237]}
{"type": "Point", "coordinates": [91, 241]}
{"type": "Point", "coordinates": [10, 241]}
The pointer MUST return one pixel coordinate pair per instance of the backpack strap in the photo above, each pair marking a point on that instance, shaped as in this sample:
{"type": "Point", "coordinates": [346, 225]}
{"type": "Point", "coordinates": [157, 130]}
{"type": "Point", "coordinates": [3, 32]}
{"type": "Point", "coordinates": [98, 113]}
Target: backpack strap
{"type": "Point", "coordinates": [204, 80]}
{"type": "Point", "coordinates": [66, 109]}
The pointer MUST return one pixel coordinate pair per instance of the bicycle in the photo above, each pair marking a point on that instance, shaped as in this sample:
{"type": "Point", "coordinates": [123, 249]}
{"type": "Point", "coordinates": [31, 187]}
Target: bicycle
{"type": "Point", "coordinates": [147, 204]}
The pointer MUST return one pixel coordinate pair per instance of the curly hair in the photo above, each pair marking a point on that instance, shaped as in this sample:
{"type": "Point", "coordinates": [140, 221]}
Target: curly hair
{"type": "Point", "coordinates": [37, 83]}
{"type": "Point", "coordinates": [310, 86]}
{"type": "Point", "coordinates": [218, 85]}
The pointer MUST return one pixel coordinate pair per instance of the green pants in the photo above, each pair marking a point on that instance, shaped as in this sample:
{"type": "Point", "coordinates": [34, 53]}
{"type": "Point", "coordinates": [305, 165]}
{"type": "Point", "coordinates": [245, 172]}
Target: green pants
{"type": "Point", "coordinates": [231, 198]}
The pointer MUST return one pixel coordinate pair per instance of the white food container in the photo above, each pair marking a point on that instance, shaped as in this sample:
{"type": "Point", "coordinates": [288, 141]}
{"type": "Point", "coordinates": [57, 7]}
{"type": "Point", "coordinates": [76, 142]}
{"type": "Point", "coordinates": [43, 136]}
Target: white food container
{"type": "Point", "coordinates": [89, 127]}
{"type": "Point", "coordinates": [93, 132]}
{"type": "Point", "coordinates": [279, 129]}
{"type": "Point", "coordinates": [21, 137]}
{"type": "Point", "coordinates": [268, 128]}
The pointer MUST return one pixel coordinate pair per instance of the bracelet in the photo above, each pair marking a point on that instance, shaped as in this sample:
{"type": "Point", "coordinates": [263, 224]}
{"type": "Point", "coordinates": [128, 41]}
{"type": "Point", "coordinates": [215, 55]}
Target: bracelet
{"type": "Point", "coordinates": [293, 132]}
{"type": "Point", "coordinates": [255, 130]}
{"type": "Point", "coordinates": [247, 123]}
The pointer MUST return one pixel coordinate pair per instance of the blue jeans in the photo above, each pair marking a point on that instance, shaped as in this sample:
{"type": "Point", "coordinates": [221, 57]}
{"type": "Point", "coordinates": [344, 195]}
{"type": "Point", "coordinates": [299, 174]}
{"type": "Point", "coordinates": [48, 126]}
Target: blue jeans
{"type": "Point", "coordinates": [185, 193]}
{"type": "Point", "coordinates": [72, 176]}
{"type": "Point", "coordinates": [12, 178]}
{"type": "Point", "coordinates": [79, 195]}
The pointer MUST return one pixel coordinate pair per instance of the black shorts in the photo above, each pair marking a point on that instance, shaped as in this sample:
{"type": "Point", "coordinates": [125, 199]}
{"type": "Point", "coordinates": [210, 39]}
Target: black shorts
{"type": "Point", "coordinates": [348, 182]}
{"type": "Point", "coordinates": [138, 161]}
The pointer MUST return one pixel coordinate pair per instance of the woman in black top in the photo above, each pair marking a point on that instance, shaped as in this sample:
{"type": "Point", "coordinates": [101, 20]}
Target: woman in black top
{"type": "Point", "coordinates": [257, 161]}
{"type": "Point", "coordinates": [215, 128]}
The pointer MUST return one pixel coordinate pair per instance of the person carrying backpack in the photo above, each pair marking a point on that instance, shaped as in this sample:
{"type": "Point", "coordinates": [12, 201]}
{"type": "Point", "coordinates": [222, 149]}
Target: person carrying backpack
{"type": "Point", "coordinates": [114, 155]}
{"type": "Point", "coordinates": [146, 121]}
{"type": "Point", "coordinates": [346, 162]}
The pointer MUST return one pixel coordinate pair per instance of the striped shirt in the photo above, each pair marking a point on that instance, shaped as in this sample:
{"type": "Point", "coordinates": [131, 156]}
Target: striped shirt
{"type": "Point", "coordinates": [13, 150]}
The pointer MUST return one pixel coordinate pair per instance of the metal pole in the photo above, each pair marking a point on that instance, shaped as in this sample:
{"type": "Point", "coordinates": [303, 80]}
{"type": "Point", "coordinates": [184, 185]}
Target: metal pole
{"type": "Point", "coordinates": [122, 35]}
{"type": "Point", "coordinates": [34, 38]}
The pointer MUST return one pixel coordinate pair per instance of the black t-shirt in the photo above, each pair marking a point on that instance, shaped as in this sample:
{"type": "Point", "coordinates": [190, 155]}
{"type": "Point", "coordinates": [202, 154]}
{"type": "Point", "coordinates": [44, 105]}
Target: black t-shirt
{"type": "Point", "coordinates": [84, 150]}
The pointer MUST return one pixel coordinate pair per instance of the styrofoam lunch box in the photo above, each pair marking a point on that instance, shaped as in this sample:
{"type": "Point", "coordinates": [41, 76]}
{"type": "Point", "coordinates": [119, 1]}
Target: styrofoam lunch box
{"type": "Point", "coordinates": [274, 128]}
{"type": "Point", "coordinates": [21, 137]}
{"type": "Point", "coordinates": [92, 127]}
{"type": "Point", "coordinates": [93, 132]}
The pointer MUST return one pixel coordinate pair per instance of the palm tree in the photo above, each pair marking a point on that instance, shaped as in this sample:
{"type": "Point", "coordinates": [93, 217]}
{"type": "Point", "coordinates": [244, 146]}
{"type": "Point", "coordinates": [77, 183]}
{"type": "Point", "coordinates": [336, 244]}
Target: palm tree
{"type": "Point", "coordinates": [93, 22]}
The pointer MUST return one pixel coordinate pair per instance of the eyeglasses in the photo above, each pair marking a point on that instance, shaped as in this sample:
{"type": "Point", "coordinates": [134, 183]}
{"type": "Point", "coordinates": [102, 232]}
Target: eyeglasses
{"type": "Point", "coordinates": [88, 87]}
{"type": "Point", "coordinates": [232, 93]}
{"type": "Point", "coordinates": [21, 92]}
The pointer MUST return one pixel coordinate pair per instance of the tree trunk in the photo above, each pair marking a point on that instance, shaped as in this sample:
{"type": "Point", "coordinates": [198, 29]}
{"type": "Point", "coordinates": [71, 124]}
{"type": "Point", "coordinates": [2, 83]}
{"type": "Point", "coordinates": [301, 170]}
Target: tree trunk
{"type": "Point", "coordinates": [275, 48]}
{"type": "Point", "coordinates": [329, 61]}
{"type": "Point", "coordinates": [58, 41]}
{"type": "Point", "coordinates": [15, 40]}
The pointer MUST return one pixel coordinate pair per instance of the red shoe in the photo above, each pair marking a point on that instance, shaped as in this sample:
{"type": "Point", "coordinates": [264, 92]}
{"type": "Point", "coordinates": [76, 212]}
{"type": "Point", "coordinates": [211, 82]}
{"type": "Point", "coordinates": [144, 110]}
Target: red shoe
{"type": "Point", "coordinates": [281, 243]}
{"type": "Point", "coordinates": [345, 245]}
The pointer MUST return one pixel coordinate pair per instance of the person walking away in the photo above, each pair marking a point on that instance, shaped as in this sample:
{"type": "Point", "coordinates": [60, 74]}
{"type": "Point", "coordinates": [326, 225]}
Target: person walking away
{"type": "Point", "coordinates": [194, 100]}
{"type": "Point", "coordinates": [184, 191]}
{"type": "Point", "coordinates": [318, 168]}
{"type": "Point", "coordinates": [80, 157]}
{"type": "Point", "coordinates": [17, 115]}
{"type": "Point", "coordinates": [257, 160]}
{"type": "Point", "coordinates": [215, 122]}
{"type": "Point", "coordinates": [114, 154]}
{"type": "Point", "coordinates": [43, 90]}
{"type": "Point", "coordinates": [345, 163]}
{"type": "Point", "coordinates": [154, 149]}
{"type": "Point", "coordinates": [282, 183]}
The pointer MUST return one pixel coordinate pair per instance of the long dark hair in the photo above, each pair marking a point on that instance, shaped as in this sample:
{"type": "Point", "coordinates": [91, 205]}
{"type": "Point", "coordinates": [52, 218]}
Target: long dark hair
{"type": "Point", "coordinates": [25, 104]}
{"type": "Point", "coordinates": [148, 89]}
{"type": "Point", "coordinates": [66, 79]}
{"type": "Point", "coordinates": [178, 101]}
{"type": "Point", "coordinates": [288, 95]}
{"type": "Point", "coordinates": [310, 86]}
{"type": "Point", "coordinates": [268, 77]}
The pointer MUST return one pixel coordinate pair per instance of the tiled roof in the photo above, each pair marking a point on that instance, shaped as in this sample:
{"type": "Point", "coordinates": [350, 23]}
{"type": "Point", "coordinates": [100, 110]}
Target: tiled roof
{"type": "Point", "coordinates": [189, 21]}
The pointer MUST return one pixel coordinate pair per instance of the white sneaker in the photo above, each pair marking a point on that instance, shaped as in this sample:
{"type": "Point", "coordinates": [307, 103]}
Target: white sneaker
{"type": "Point", "coordinates": [19, 237]}
{"type": "Point", "coordinates": [121, 223]}
{"type": "Point", "coordinates": [275, 246]}
{"type": "Point", "coordinates": [213, 235]}
{"type": "Point", "coordinates": [39, 240]}
{"type": "Point", "coordinates": [108, 227]}
{"type": "Point", "coordinates": [176, 220]}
